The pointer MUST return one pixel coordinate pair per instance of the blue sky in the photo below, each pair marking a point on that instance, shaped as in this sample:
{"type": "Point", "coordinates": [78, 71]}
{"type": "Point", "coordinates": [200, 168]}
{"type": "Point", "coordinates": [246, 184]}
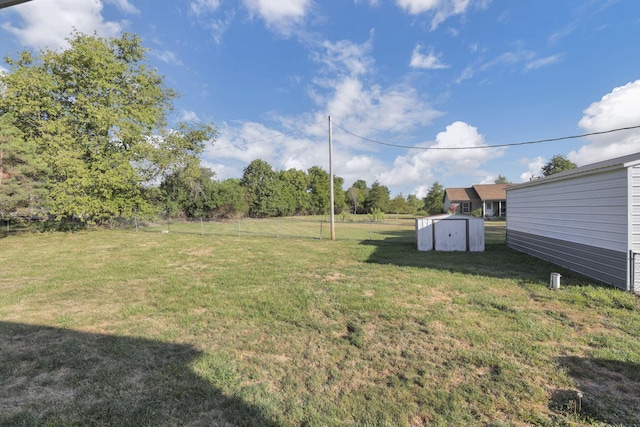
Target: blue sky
{"type": "Point", "coordinates": [419, 73]}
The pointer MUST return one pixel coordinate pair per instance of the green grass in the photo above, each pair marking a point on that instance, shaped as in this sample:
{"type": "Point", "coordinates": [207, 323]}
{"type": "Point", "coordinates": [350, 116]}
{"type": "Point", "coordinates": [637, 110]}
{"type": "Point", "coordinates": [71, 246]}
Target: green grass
{"type": "Point", "coordinates": [125, 328]}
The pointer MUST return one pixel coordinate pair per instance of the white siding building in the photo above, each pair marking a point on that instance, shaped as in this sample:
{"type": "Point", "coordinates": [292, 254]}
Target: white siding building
{"type": "Point", "coordinates": [450, 233]}
{"type": "Point", "coordinates": [586, 219]}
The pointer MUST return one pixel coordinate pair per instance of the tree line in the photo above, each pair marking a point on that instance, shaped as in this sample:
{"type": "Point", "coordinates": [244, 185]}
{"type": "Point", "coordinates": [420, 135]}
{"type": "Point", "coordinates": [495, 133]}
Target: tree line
{"type": "Point", "coordinates": [265, 192]}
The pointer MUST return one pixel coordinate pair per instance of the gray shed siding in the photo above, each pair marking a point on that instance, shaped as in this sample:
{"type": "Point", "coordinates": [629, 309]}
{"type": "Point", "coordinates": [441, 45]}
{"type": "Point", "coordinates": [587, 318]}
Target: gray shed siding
{"type": "Point", "coordinates": [634, 226]}
{"type": "Point", "coordinates": [634, 189]}
{"type": "Point", "coordinates": [580, 223]}
{"type": "Point", "coordinates": [601, 264]}
{"type": "Point", "coordinates": [589, 210]}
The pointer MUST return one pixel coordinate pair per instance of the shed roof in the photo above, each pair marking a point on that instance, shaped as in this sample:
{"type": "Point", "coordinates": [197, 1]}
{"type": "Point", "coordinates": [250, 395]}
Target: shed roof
{"type": "Point", "coordinates": [610, 164]}
{"type": "Point", "coordinates": [454, 216]}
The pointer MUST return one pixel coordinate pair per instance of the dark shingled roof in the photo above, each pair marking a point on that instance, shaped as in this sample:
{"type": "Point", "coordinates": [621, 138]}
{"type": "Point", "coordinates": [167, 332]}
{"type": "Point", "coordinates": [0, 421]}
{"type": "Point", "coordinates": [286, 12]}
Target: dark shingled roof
{"type": "Point", "coordinates": [458, 194]}
{"type": "Point", "coordinates": [491, 191]}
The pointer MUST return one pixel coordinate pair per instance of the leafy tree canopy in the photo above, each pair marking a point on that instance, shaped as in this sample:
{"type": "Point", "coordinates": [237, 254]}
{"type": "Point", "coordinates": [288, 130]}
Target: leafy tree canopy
{"type": "Point", "coordinates": [398, 204]}
{"type": "Point", "coordinates": [264, 189]}
{"type": "Point", "coordinates": [501, 179]}
{"type": "Point", "coordinates": [96, 113]}
{"type": "Point", "coordinates": [433, 202]}
{"type": "Point", "coordinates": [377, 198]}
{"type": "Point", "coordinates": [21, 172]}
{"type": "Point", "coordinates": [557, 164]}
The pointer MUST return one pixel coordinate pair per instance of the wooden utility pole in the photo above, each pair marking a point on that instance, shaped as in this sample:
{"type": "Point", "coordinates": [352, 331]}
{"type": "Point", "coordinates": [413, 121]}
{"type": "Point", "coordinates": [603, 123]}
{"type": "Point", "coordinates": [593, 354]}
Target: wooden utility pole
{"type": "Point", "coordinates": [331, 201]}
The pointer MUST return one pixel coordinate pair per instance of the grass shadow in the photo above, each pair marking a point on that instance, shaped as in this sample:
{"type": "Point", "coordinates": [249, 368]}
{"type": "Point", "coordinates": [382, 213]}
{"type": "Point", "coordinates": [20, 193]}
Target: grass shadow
{"type": "Point", "coordinates": [497, 260]}
{"type": "Point", "coordinates": [54, 377]}
{"type": "Point", "coordinates": [609, 390]}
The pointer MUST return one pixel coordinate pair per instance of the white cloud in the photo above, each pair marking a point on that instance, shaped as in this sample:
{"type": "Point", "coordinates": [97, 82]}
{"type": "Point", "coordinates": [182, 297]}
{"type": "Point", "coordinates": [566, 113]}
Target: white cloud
{"type": "Point", "coordinates": [514, 57]}
{"type": "Point", "coordinates": [466, 74]}
{"type": "Point", "coordinates": [220, 26]}
{"type": "Point", "coordinates": [617, 109]}
{"type": "Point", "coordinates": [203, 10]}
{"type": "Point", "coordinates": [534, 168]}
{"type": "Point", "coordinates": [189, 116]}
{"type": "Point", "coordinates": [542, 62]}
{"type": "Point", "coordinates": [200, 7]}
{"type": "Point", "coordinates": [365, 108]}
{"type": "Point", "coordinates": [125, 6]}
{"type": "Point", "coordinates": [441, 10]}
{"type": "Point", "coordinates": [48, 23]}
{"type": "Point", "coordinates": [281, 17]}
{"type": "Point", "coordinates": [444, 157]}
{"type": "Point", "coordinates": [429, 61]}
{"type": "Point", "coordinates": [421, 191]}
{"type": "Point", "coordinates": [345, 57]}
{"type": "Point", "coordinates": [166, 56]}
{"type": "Point", "coordinates": [221, 171]}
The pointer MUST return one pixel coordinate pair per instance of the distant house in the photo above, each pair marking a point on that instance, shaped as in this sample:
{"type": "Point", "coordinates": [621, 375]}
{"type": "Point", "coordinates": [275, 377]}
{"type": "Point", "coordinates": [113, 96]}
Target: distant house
{"type": "Point", "coordinates": [586, 219]}
{"type": "Point", "coordinates": [490, 198]}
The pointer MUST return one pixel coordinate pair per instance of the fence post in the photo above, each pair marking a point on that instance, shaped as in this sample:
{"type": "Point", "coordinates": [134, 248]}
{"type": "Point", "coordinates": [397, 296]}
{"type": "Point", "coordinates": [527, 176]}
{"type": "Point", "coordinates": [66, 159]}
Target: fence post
{"type": "Point", "coordinates": [370, 230]}
{"type": "Point", "coordinates": [202, 226]}
{"type": "Point", "coordinates": [320, 229]}
{"type": "Point", "coordinates": [278, 227]}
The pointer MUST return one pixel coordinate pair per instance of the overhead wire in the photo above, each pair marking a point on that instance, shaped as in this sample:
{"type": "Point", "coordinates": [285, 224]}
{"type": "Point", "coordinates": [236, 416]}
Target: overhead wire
{"type": "Point", "coordinates": [477, 147]}
{"type": "Point", "coordinates": [414, 147]}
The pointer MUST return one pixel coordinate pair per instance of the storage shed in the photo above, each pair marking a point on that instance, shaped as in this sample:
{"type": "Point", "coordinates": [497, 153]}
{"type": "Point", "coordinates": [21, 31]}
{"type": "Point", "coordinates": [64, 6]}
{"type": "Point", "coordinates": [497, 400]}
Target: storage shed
{"type": "Point", "coordinates": [450, 233]}
{"type": "Point", "coordinates": [586, 220]}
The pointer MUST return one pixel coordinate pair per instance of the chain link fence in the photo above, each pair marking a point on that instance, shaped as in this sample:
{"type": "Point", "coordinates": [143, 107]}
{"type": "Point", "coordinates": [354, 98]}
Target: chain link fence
{"type": "Point", "coordinates": [400, 230]}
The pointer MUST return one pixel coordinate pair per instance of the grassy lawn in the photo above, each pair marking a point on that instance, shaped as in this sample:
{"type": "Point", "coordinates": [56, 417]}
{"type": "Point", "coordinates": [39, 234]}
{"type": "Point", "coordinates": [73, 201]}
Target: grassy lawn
{"type": "Point", "coordinates": [145, 329]}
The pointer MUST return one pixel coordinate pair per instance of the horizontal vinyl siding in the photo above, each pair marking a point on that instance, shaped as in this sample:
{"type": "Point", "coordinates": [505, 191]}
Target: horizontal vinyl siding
{"type": "Point", "coordinates": [634, 182]}
{"type": "Point", "coordinates": [601, 264]}
{"type": "Point", "coordinates": [589, 210]}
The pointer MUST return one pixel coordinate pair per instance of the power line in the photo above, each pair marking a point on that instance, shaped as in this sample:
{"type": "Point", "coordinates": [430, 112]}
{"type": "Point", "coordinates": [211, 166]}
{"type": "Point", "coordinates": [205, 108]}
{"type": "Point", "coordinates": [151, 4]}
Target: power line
{"type": "Point", "coordinates": [539, 141]}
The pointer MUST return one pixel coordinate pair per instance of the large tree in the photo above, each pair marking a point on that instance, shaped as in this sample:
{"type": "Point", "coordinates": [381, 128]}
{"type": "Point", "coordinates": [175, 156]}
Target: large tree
{"type": "Point", "coordinates": [231, 201]}
{"type": "Point", "coordinates": [414, 204]}
{"type": "Point", "coordinates": [377, 198]}
{"type": "Point", "coordinates": [319, 197]}
{"type": "Point", "coordinates": [263, 188]}
{"type": "Point", "coordinates": [398, 204]}
{"type": "Point", "coordinates": [356, 195]}
{"type": "Point", "coordinates": [190, 192]}
{"type": "Point", "coordinates": [22, 173]}
{"type": "Point", "coordinates": [557, 164]}
{"type": "Point", "coordinates": [96, 113]}
{"type": "Point", "coordinates": [294, 191]}
{"type": "Point", "coordinates": [434, 201]}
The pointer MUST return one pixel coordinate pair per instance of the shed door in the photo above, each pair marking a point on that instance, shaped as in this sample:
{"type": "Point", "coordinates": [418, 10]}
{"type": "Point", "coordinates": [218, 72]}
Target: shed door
{"type": "Point", "coordinates": [450, 235]}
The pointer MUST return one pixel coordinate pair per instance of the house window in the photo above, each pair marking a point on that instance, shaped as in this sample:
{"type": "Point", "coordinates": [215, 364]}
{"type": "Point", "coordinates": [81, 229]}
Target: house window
{"type": "Point", "coordinates": [464, 208]}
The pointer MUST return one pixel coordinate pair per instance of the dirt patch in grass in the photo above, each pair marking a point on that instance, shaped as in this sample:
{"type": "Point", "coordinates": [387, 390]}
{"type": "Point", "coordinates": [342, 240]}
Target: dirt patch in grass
{"type": "Point", "coordinates": [609, 390]}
